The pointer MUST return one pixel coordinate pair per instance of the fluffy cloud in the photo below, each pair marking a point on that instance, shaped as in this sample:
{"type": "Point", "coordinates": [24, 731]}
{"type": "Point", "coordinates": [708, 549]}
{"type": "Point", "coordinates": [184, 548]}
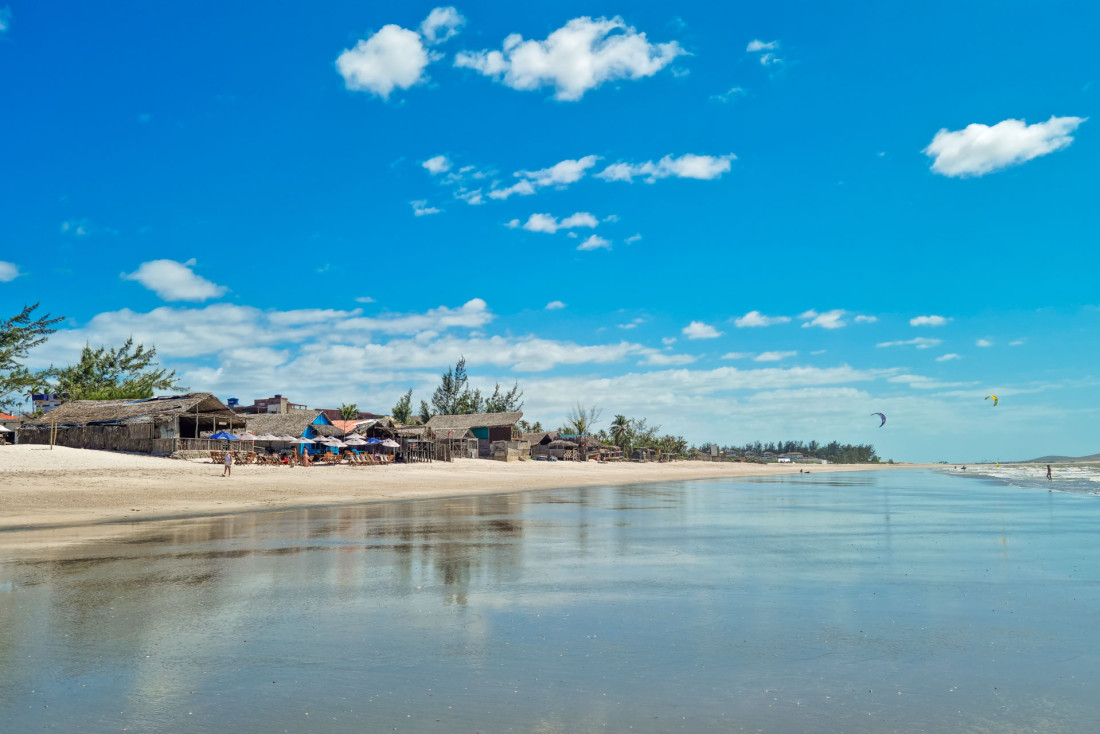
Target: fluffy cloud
{"type": "Point", "coordinates": [5, 19]}
{"type": "Point", "coordinates": [919, 342]}
{"type": "Point", "coordinates": [703, 167]}
{"type": "Point", "coordinates": [765, 49]}
{"type": "Point", "coordinates": [833, 319]}
{"type": "Point", "coordinates": [728, 96]}
{"type": "Point", "coordinates": [594, 242]}
{"type": "Point", "coordinates": [578, 57]}
{"type": "Point", "coordinates": [8, 272]}
{"type": "Point", "coordinates": [700, 330]}
{"type": "Point", "coordinates": [980, 149]}
{"type": "Point", "coordinates": [862, 319]}
{"type": "Point", "coordinates": [928, 321]}
{"type": "Point", "coordinates": [554, 305]}
{"type": "Point", "coordinates": [984, 343]}
{"type": "Point", "coordinates": [441, 25]}
{"type": "Point", "coordinates": [421, 208]}
{"type": "Point", "coordinates": [947, 357]}
{"type": "Point", "coordinates": [393, 58]}
{"type": "Point", "coordinates": [773, 356]}
{"type": "Point", "coordinates": [550, 224]}
{"type": "Point", "coordinates": [79, 228]}
{"type": "Point", "coordinates": [560, 174]}
{"type": "Point", "coordinates": [175, 281]}
{"type": "Point", "coordinates": [437, 164]}
{"type": "Point", "coordinates": [756, 319]}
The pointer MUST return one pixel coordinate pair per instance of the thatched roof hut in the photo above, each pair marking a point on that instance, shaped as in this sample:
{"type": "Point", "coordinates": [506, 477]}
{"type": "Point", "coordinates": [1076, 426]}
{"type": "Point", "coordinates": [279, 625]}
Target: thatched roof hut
{"type": "Point", "coordinates": [473, 421]}
{"type": "Point", "coordinates": [541, 438]}
{"type": "Point", "coordinates": [295, 423]}
{"type": "Point", "coordinates": [200, 408]}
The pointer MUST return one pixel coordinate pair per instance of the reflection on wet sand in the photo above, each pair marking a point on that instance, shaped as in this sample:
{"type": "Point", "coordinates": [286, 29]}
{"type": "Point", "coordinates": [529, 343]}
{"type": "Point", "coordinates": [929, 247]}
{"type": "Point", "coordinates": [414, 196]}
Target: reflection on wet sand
{"type": "Point", "coordinates": [783, 605]}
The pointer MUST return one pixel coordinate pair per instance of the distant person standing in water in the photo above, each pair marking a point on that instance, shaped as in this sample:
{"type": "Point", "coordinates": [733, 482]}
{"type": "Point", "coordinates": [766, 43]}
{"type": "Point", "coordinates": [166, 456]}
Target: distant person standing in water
{"type": "Point", "coordinates": [228, 470]}
{"type": "Point", "coordinates": [1049, 478]}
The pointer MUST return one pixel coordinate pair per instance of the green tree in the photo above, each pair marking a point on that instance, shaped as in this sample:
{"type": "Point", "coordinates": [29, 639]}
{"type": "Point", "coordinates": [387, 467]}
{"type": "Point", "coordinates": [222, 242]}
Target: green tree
{"type": "Point", "coordinates": [620, 431]}
{"type": "Point", "coordinates": [453, 395]}
{"type": "Point", "coordinates": [582, 420]}
{"type": "Point", "coordinates": [114, 374]}
{"type": "Point", "coordinates": [508, 402]}
{"type": "Point", "coordinates": [349, 412]}
{"type": "Point", "coordinates": [403, 409]}
{"type": "Point", "coordinates": [18, 335]}
{"type": "Point", "coordinates": [425, 412]}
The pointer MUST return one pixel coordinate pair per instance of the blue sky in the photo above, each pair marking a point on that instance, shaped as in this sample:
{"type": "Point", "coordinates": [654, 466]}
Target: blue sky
{"type": "Point", "coordinates": [741, 222]}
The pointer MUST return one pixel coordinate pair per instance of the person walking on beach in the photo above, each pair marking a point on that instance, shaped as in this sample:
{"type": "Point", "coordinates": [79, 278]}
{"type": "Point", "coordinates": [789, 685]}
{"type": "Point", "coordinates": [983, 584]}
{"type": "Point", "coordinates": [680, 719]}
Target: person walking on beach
{"type": "Point", "coordinates": [228, 471]}
{"type": "Point", "coordinates": [1049, 478]}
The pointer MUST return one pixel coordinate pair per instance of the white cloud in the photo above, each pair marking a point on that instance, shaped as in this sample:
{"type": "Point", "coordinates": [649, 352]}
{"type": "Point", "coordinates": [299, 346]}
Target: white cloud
{"type": "Point", "coordinates": [947, 357]}
{"type": "Point", "coordinates": [833, 319]}
{"type": "Point", "coordinates": [700, 330]}
{"type": "Point", "coordinates": [550, 224]}
{"type": "Point", "coordinates": [76, 228]}
{"type": "Point", "coordinates": [983, 343]}
{"type": "Point", "coordinates": [364, 299]}
{"type": "Point", "coordinates": [919, 342]}
{"type": "Point", "coordinates": [421, 208]}
{"type": "Point", "coordinates": [554, 305]}
{"type": "Point", "coordinates": [8, 272]}
{"type": "Point", "coordinates": [560, 174]}
{"type": "Point", "coordinates": [5, 19]}
{"type": "Point", "coordinates": [594, 242]}
{"type": "Point", "coordinates": [395, 57]}
{"type": "Point", "coordinates": [668, 340]}
{"type": "Point", "coordinates": [689, 165]}
{"type": "Point", "coordinates": [578, 57]}
{"type": "Point", "coordinates": [728, 96]}
{"type": "Point", "coordinates": [660, 359]}
{"type": "Point", "coordinates": [755, 319]}
{"type": "Point", "coordinates": [980, 149]}
{"type": "Point", "coordinates": [633, 238]}
{"type": "Point", "coordinates": [736, 355]}
{"type": "Point", "coordinates": [1016, 342]}
{"type": "Point", "coordinates": [758, 45]}
{"type": "Point", "coordinates": [441, 25]}
{"type": "Point", "coordinates": [437, 164]}
{"type": "Point", "coordinates": [175, 281]}
{"type": "Point", "coordinates": [773, 356]}
{"type": "Point", "coordinates": [863, 319]}
{"type": "Point", "coordinates": [928, 321]}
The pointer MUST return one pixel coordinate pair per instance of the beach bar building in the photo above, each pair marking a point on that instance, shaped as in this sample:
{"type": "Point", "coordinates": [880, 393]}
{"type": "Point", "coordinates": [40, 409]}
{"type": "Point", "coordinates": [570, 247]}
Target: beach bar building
{"type": "Point", "coordinates": [159, 425]}
{"type": "Point", "coordinates": [485, 427]}
{"type": "Point", "coordinates": [296, 423]}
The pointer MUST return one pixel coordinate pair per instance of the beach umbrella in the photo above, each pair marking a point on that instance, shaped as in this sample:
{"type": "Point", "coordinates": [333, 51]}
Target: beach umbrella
{"type": "Point", "coordinates": [291, 439]}
{"type": "Point", "coordinates": [336, 443]}
{"type": "Point", "coordinates": [223, 436]}
{"type": "Point", "coordinates": [266, 437]}
{"type": "Point", "coordinates": [355, 441]}
{"type": "Point", "coordinates": [304, 440]}
{"type": "Point", "coordinates": [5, 429]}
{"type": "Point", "coordinates": [391, 444]}
{"type": "Point", "coordinates": [374, 440]}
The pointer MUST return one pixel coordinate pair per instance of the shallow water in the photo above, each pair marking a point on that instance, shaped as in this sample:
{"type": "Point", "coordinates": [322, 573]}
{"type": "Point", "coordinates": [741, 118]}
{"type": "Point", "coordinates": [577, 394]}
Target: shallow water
{"type": "Point", "coordinates": [904, 601]}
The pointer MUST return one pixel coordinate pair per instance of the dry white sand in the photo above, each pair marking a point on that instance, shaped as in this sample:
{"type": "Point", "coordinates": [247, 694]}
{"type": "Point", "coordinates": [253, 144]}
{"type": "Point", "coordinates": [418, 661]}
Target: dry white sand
{"type": "Point", "coordinates": [42, 487]}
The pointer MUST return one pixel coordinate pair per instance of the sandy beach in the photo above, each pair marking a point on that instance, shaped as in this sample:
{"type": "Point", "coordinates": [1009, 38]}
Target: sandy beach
{"type": "Point", "coordinates": [42, 488]}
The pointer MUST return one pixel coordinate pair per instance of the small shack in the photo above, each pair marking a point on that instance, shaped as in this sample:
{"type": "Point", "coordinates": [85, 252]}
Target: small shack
{"type": "Point", "coordinates": [296, 423]}
{"type": "Point", "coordinates": [485, 427]}
{"type": "Point", "coordinates": [155, 425]}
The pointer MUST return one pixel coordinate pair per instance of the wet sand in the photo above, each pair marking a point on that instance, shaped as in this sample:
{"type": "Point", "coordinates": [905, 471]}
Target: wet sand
{"type": "Point", "coordinates": [64, 487]}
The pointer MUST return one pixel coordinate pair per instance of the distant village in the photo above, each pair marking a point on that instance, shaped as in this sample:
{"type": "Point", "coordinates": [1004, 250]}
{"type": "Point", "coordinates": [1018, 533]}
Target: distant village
{"type": "Point", "coordinates": [197, 424]}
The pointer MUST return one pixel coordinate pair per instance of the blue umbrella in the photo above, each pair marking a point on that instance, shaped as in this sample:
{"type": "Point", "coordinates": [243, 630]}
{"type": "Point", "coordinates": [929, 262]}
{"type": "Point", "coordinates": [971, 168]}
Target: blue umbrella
{"type": "Point", "coordinates": [224, 436]}
{"type": "Point", "coordinates": [374, 440]}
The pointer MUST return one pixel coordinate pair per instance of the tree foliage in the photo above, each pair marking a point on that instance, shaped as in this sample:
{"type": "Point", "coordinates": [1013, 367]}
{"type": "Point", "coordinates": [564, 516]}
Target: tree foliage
{"type": "Point", "coordinates": [581, 420]}
{"type": "Point", "coordinates": [403, 409]}
{"type": "Point", "coordinates": [349, 412]}
{"type": "Point", "coordinates": [109, 373]}
{"type": "Point", "coordinates": [833, 452]}
{"type": "Point", "coordinates": [18, 335]}
{"type": "Point", "coordinates": [453, 396]}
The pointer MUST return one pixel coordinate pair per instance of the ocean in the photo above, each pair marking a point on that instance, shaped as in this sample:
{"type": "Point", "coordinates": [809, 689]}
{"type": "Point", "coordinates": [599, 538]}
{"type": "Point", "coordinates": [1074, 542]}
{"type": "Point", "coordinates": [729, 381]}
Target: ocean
{"type": "Point", "coordinates": [865, 603]}
{"type": "Point", "coordinates": [1072, 478]}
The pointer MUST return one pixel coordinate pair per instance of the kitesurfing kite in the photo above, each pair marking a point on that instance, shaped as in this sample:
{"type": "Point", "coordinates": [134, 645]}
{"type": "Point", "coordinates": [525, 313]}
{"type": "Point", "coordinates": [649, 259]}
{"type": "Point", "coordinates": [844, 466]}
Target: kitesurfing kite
{"type": "Point", "coordinates": [880, 415]}
{"type": "Point", "coordinates": [987, 397]}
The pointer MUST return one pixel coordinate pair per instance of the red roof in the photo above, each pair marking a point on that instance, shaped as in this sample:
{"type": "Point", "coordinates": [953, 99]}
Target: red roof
{"type": "Point", "coordinates": [6, 417]}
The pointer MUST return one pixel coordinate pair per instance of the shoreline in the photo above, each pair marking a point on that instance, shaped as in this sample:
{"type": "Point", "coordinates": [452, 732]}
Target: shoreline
{"type": "Point", "coordinates": [44, 490]}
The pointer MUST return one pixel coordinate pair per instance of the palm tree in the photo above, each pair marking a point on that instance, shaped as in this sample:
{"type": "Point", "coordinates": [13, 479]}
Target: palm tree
{"type": "Point", "coordinates": [349, 412]}
{"type": "Point", "coordinates": [620, 430]}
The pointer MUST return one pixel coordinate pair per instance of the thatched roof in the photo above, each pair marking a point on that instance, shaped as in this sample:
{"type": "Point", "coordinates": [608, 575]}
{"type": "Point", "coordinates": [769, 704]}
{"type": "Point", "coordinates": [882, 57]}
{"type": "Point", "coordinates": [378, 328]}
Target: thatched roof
{"type": "Point", "coordinates": [362, 427]}
{"type": "Point", "coordinates": [561, 443]}
{"type": "Point", "coordinates": [158, 410]}
{"type": "Point", "coordinates": [441, 423]}
{"type": "Point", "coordinates": [422, 433]}
{"type": "Point", "coordinates": [539, 437]}
{"type": "Point", "coordinates": [293, 423]}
